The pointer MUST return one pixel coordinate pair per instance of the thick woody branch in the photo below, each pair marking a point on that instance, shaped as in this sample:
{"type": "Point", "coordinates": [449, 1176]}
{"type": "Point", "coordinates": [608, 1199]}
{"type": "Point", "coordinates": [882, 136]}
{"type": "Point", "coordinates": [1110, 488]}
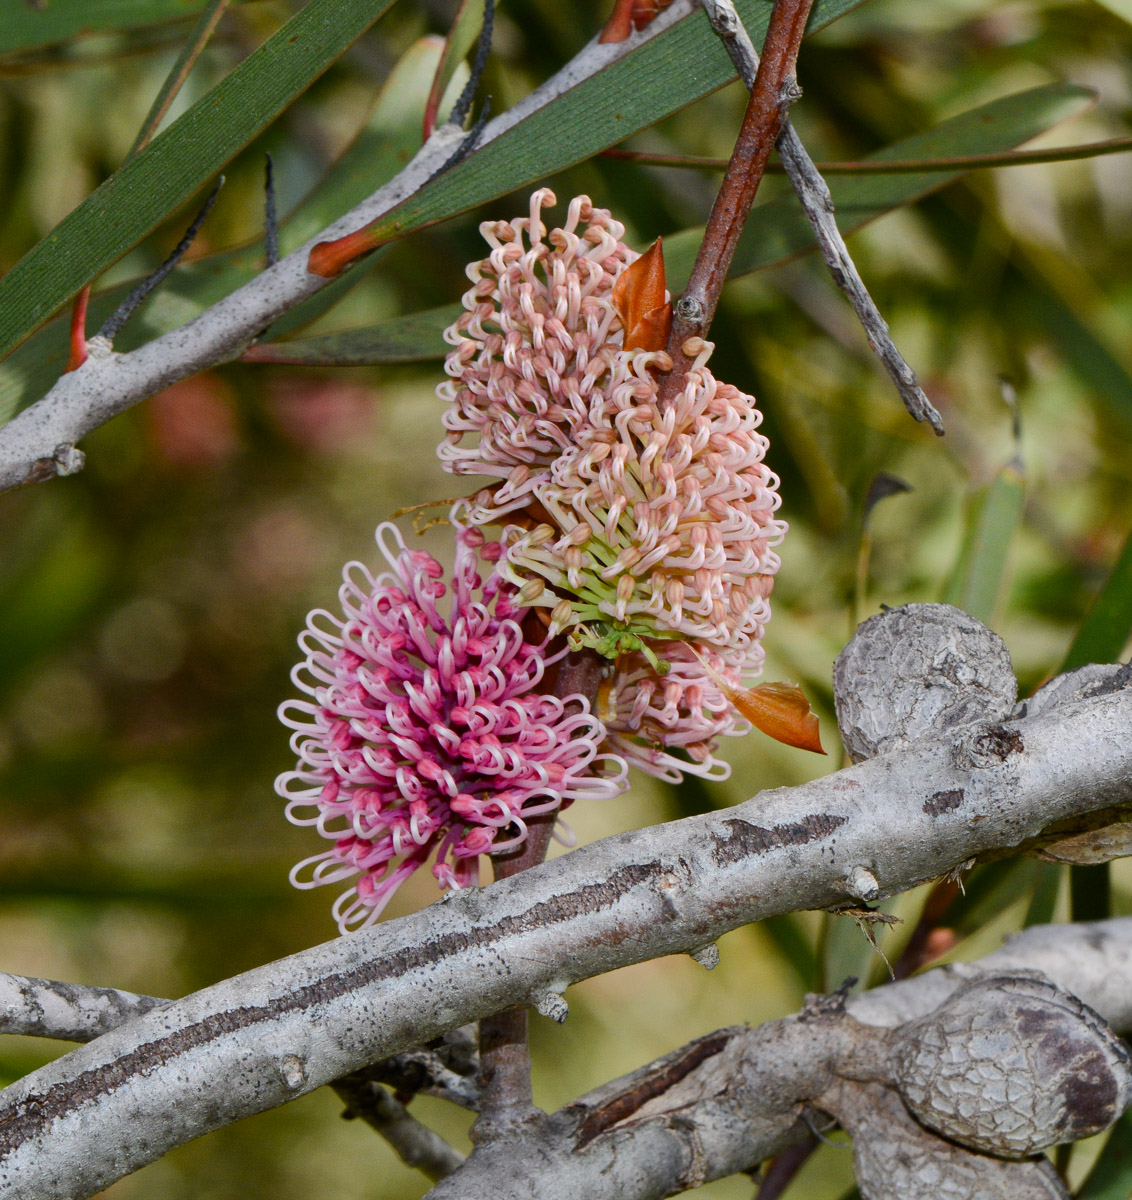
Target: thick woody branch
{"type": "Point", "coordinates": [40, 442]}
{"type": "Point", "coordinates": [263, 1038]}
{"type": "Point", "coordinates": [730, 1100]}
{"type": "Point", "coordinates": [817, 203]}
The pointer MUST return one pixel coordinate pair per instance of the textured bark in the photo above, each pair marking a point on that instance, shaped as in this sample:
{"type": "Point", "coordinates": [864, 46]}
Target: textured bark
{"type": "Point", "coordinates": [263, 1038]}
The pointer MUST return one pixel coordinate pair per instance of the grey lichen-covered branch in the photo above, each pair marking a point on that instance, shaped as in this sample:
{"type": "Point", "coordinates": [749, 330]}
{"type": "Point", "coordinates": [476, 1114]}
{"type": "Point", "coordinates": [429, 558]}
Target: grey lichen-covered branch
{"type": "Point", "coordinates": [912, 813]}
{"type": "Point", "coordinates": [731, 1099]}
{"type": "Point", "coordinates": [40, 442]}
{"type": "Point", "coordinates": [917, 1071]}
{"type": "Point", "coordinates": [70, 1012]}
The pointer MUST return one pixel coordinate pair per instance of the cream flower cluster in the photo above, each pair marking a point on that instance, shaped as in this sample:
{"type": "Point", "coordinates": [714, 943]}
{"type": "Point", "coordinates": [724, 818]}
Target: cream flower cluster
{"type": "Point", "coordinates": [647, 530]}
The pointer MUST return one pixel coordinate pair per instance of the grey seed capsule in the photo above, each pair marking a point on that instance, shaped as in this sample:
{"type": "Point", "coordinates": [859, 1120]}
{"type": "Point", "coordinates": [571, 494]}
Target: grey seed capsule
{"type": "Point", "coordinates": [918, 671]}
{"type": "Point", "coordinates": [897, 1159]}
{"type": "Point", "coordinates": [1011, 1064]}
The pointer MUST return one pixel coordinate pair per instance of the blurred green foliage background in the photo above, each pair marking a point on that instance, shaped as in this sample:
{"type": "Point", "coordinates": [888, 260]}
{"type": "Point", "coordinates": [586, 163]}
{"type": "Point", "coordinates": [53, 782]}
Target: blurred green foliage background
{"type": "Point", "coordinates": [149, 606]}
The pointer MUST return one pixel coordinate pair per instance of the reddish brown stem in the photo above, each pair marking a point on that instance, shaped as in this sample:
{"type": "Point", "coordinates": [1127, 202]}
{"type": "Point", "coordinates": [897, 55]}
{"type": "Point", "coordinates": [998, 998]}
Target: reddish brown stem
{"type": "Point", "coordinates": [773, 91]}
{"type": "Point", "coordinates": [782, 1169]}
{"type": "Point", "coordinates": [917, 952]}
{"type": "Point", "coordinates": [78, 330]}
{"type": "Point", "coordinates": [505, 1061]}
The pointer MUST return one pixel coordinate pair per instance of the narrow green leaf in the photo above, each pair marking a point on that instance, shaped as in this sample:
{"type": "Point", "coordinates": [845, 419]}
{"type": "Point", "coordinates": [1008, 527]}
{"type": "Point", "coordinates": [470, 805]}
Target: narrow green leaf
{"type": "Point", "coordinates": [415, 338]}
{"type": "Point", "coordinates": [1043, 899]}
{"type": "Point", "coordinates": [663, 75]}
{"type": "Point", "coordinates": [979, 578]}
{"type": "Point", "coordinates": [1111, 1176]}
{"type": "Point", "coordinates": [778, 230]}
{"type": "Point", "coordinates": [153, 184]}
{"type": "Point", "coordinates": [1108, 625]}
{"type": "Point", "coordinates": [27, 27]}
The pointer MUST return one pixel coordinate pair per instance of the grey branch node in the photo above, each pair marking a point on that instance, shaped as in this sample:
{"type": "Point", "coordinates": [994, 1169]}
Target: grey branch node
{"type": "Point", "coordinates": [68, 460]}
{"type": "Point", "coordinates": [707, 956]}
{"type": "Point", "coordinates": [553, 1006]}
{"type": "Point", "coordinates": [862, 884]}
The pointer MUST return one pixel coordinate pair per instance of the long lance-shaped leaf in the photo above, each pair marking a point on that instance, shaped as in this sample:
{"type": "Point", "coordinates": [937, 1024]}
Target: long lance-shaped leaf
{"type": "Point", "coordinates": [775, 232]}
{"type": "Point", "coordinates": [415, 338]}
{"type": "Point", "coordinates": [978, 582]}
{"type": "Point", "coordinates": [29, 27]}
{"type": "Point", "coordinates": [153, 184]}
{"type": "Point", "coordinates": [390, 136]}
{"type": "Point", "coordinates": [1108, 625]}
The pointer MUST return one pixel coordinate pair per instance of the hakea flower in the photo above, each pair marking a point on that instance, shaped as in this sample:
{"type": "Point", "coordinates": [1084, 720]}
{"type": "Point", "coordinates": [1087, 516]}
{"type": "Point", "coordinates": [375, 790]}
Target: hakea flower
{"type": "Point", "coordinates": [648, 532]}
{"type": "Point", "coordinates": [663, 521]}
{"type": "Point", "coordinates": [425, 734]}
{"type": "Point", "coordinates": [648, 715]}
{"type": "Point", "coordinates": [534, 348]}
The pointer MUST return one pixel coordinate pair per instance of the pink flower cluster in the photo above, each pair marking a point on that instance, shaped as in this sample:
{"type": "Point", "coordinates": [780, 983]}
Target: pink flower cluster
{"type": "Point", "coordinates": [539, 334]}
{"type": "Point", "coordinates": [642, 528]}
{"type": "Point", "coordinates": [425, 734]}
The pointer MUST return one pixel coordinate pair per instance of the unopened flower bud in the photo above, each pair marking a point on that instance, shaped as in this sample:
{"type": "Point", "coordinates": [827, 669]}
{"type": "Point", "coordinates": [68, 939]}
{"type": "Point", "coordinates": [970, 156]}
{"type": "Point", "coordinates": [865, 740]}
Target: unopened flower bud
{"type": "Point", "coordinates": [531, 590]}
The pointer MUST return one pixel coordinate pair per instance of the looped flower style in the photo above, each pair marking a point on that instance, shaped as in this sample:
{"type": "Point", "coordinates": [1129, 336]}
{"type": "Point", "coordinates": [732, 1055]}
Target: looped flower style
{"type": "Point", "coordinates": [539, 335]}
{"type": "Point", "coordinates": [641, 528]}
{"type": "Point", "coordinates": [648, 714]}
{"type": "Point", "coordinates": [425, 734]}
{"type": "Point", "coordinates": [663, 521]}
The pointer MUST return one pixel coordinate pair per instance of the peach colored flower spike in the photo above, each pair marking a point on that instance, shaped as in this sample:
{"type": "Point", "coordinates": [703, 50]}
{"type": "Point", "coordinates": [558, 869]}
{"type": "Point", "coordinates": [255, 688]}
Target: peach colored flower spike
{"type": "Point", "coordinates": [649, 534]}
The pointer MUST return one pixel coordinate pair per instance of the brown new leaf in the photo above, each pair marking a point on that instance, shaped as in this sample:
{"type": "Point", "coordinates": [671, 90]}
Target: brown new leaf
{"type": "Point", "coordinates": [639, 296]}
{"type": "Point", "coordinates": [781, 711]}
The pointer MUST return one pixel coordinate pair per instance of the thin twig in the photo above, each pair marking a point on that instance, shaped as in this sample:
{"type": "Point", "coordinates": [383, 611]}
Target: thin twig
{"type": "Point", "coordinates": [893, 166]}
{"type": "Point", "coordinates": [447, 1069]}
{"type": "Point", "coordinates": [125, 310]}
{"type": "Point", "coordinates": [463, 105]}
{"type": "Point", "coordinates": [416, 1145]}
{"type": "Point", "coordinates": [813, 193]}
{"type": "Point", "coordinates": [772, 92]}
